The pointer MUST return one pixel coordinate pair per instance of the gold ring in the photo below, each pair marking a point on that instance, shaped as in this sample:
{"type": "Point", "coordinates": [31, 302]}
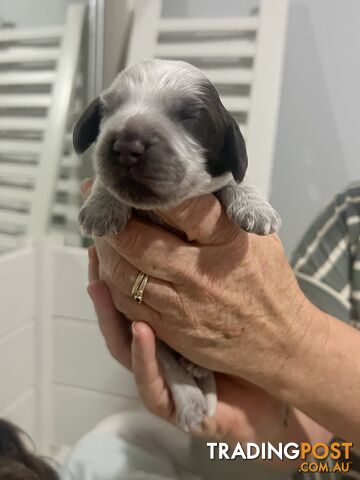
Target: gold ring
{"type": "Point", "coordinates": [138, 288]}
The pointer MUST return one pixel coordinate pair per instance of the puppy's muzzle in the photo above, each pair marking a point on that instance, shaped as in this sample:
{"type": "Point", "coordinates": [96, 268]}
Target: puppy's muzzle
{"type": "Point", "coordinates": [128, 152]}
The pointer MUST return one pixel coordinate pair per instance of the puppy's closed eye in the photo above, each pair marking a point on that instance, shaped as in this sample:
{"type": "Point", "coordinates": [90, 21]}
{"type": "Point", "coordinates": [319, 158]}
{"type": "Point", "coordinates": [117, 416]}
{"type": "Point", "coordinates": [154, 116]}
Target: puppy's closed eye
{"type": "Point", "coordinates": [188, 118]}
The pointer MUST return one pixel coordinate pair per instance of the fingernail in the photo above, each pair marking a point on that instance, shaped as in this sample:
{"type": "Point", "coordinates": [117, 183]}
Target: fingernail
{"type": "Point", "coordinates": [134, 329]}
{"type": "Point", "coordinates": [85, 186]}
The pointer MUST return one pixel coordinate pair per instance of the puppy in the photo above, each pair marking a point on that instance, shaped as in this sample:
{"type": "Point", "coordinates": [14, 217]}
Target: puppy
{"type": "Point", "coordinates": [162, 136]}
{"type": "Point", "coordinates": [17, 462]}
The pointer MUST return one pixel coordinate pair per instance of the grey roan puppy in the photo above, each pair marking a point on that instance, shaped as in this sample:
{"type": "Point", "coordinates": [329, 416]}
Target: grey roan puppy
{"type": "Point", "coordinates": [162, 135]}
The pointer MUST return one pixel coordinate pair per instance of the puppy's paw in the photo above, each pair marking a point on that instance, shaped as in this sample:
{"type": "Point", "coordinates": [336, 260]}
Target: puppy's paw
{"type": "Point", "coordinates": [246, 207]}
{"type": "Point", "coordinates": [95, 221]}
{"type": "Point", "coordinates": [260, 218]}
{"type": "Point", "coordinates": [194, 370]}
{"type": "Point", "coordinates": [205, 380]}
{"type": "Point", "coordinates": [208, 387]}
{"type": "Point", "coordinates": [190, 406]}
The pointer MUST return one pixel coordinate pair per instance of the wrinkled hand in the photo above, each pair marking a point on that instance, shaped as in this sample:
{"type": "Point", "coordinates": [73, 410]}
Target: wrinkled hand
{"type": "Point", "coordinates": [224, 299]}
{"type": "Point", "coordinates": [244, 411]}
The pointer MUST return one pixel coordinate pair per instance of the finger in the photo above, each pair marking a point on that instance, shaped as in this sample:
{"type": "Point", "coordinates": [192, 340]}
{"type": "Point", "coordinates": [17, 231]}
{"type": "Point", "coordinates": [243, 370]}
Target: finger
{"type": "Point", "coordinates": [114, 326]}
{"type": "Point", "coordinates": [202, 219]}
{"type": "Point", "coordinates": [154, 251]}
{"type": "Point", "coordinates": [147, 373]}
{"type": "Point", "coordinates": [158, 294]}
{"type": "Point", "coordinates": [85, 187]}
{"type": "Point", "coordinates": [130, 308]}
{"type": "Point", "coordinates": [93, 266]}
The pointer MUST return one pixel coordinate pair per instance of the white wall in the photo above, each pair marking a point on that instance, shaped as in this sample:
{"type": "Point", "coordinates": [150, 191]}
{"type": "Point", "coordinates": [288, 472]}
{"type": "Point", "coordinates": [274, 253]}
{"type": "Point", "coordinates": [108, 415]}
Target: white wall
{"type": "Point", "coordinates": [59, 378]}
{"type": "Point", "coordinates": [87, 383]}
{"type": "Point", "coordinates": [318, 145]}
{"type": "Point", "coordinates": [19, 344]}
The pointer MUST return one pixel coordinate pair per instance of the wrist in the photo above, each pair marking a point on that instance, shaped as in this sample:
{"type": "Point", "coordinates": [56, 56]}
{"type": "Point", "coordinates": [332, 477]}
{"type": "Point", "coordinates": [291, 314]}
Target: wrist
{"type": "Point", "coordinates": [316, 377]}
{"type": "Point", "coordinates": [298, 346]}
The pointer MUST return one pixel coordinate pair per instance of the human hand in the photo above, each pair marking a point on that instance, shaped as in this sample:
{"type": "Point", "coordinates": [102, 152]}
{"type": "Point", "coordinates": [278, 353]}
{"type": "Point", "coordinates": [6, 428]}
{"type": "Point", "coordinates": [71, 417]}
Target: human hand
{"type": "Point", "coordinates": [224, 299]}
{"type": "Point", "coordinates": [116, 331]}
{"type": "Point", "coordinates": [244, 412]}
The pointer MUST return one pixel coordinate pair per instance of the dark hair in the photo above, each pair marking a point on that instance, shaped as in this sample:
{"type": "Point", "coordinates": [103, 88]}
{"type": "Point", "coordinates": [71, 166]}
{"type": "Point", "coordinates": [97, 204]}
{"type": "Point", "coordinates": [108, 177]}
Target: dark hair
{"type": "Point", "coordinates": [17, 462]}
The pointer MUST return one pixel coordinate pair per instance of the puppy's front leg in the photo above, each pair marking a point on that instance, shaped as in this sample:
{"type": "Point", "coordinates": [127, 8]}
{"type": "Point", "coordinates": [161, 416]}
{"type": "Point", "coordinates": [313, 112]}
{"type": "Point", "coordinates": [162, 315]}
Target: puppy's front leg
{"type": "Point", "coordinates": [245, 206]}
{"type": "Point", "coordinates": [190, 403]}
{"type": "Point", "coordinates": [102, 214]}
{"type": "Point", "coordinates": [206, 382]}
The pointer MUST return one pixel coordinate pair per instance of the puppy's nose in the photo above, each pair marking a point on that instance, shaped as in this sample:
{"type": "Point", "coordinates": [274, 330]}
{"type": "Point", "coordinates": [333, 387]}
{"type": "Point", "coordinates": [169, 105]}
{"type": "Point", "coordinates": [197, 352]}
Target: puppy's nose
{"type": "Point", "coordinates": [128, 152]}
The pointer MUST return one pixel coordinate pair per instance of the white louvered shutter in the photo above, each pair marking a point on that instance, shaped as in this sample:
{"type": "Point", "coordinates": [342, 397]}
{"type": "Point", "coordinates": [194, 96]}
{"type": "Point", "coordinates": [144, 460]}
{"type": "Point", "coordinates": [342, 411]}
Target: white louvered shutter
{"type": "Point", "coordinates": [242, 56]}
{"type": "Point", "coordinates": [40, 92]}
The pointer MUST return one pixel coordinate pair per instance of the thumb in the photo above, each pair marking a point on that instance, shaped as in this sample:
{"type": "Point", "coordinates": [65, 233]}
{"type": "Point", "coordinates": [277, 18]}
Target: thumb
{"type": "Point", "coordinates": [147, 372]}
{"type": "Point", "coordinates": [202, 219]}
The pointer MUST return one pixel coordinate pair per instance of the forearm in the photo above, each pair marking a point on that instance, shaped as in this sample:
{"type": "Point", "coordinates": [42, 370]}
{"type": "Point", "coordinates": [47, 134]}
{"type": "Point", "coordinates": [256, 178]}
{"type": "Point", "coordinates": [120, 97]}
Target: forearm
{"type": "Point", "coordinates": [299, 428]}
{"type": "Point", "coordinates": [321, 377]}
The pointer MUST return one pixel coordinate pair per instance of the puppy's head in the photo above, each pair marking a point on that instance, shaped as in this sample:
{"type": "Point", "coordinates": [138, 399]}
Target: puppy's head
{"type": "Point", "coordinates": [162, 135]}
{"type": "Point", "coordinates": [17, 462]}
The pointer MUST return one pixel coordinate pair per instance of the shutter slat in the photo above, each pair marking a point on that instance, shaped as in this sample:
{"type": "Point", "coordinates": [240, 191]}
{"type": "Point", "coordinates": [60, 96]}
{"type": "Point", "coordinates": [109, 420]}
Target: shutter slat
{"type": "Point", "coordinates": [23, 147]}
{"type": "Point", "coordinates": [70, 161]}
{"type": "Point", "coordinates": [210, 49]}
{"type": "Point", "coordinates": [22, 123]}
{"type": "Point", "coordinates": [17, 34]}
{"type": "Point", "coordinates": [15, 170]}
{"type": "Point", "coordinates": [24, 101]}
{"type": "Point", "coordinates": [229, 76]}
{"type": "Point", "coordinates": [14, 193]}
{"type": "Point", "coordinates": [66, 210]}
{"type": "Point", "coordinates": [13, 218]}
{"type": "Point", "coordinates": [24, 55]}
{"type": "Point", "coordinates": [208, 25]}
{"type": "Point", "coordinates": [70, 186]}
{"type": "Point", "coordinates": [17, 77]}
{"type": "Point", "coordinates": [9, 241]}
{"type": "Point", "coordinates": [235, 103]}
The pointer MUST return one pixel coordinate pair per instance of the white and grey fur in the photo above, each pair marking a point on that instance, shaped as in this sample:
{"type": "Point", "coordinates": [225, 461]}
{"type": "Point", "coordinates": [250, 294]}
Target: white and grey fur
{"type": "Point", "coordinates": [162, 136]}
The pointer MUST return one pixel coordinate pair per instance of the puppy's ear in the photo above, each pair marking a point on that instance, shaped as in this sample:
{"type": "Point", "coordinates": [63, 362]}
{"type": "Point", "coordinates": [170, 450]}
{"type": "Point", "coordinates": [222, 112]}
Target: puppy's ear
{"type": "Point", "coordinates": [234, 150]}
{"type": "Point", "coordinates": [87, 127]}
